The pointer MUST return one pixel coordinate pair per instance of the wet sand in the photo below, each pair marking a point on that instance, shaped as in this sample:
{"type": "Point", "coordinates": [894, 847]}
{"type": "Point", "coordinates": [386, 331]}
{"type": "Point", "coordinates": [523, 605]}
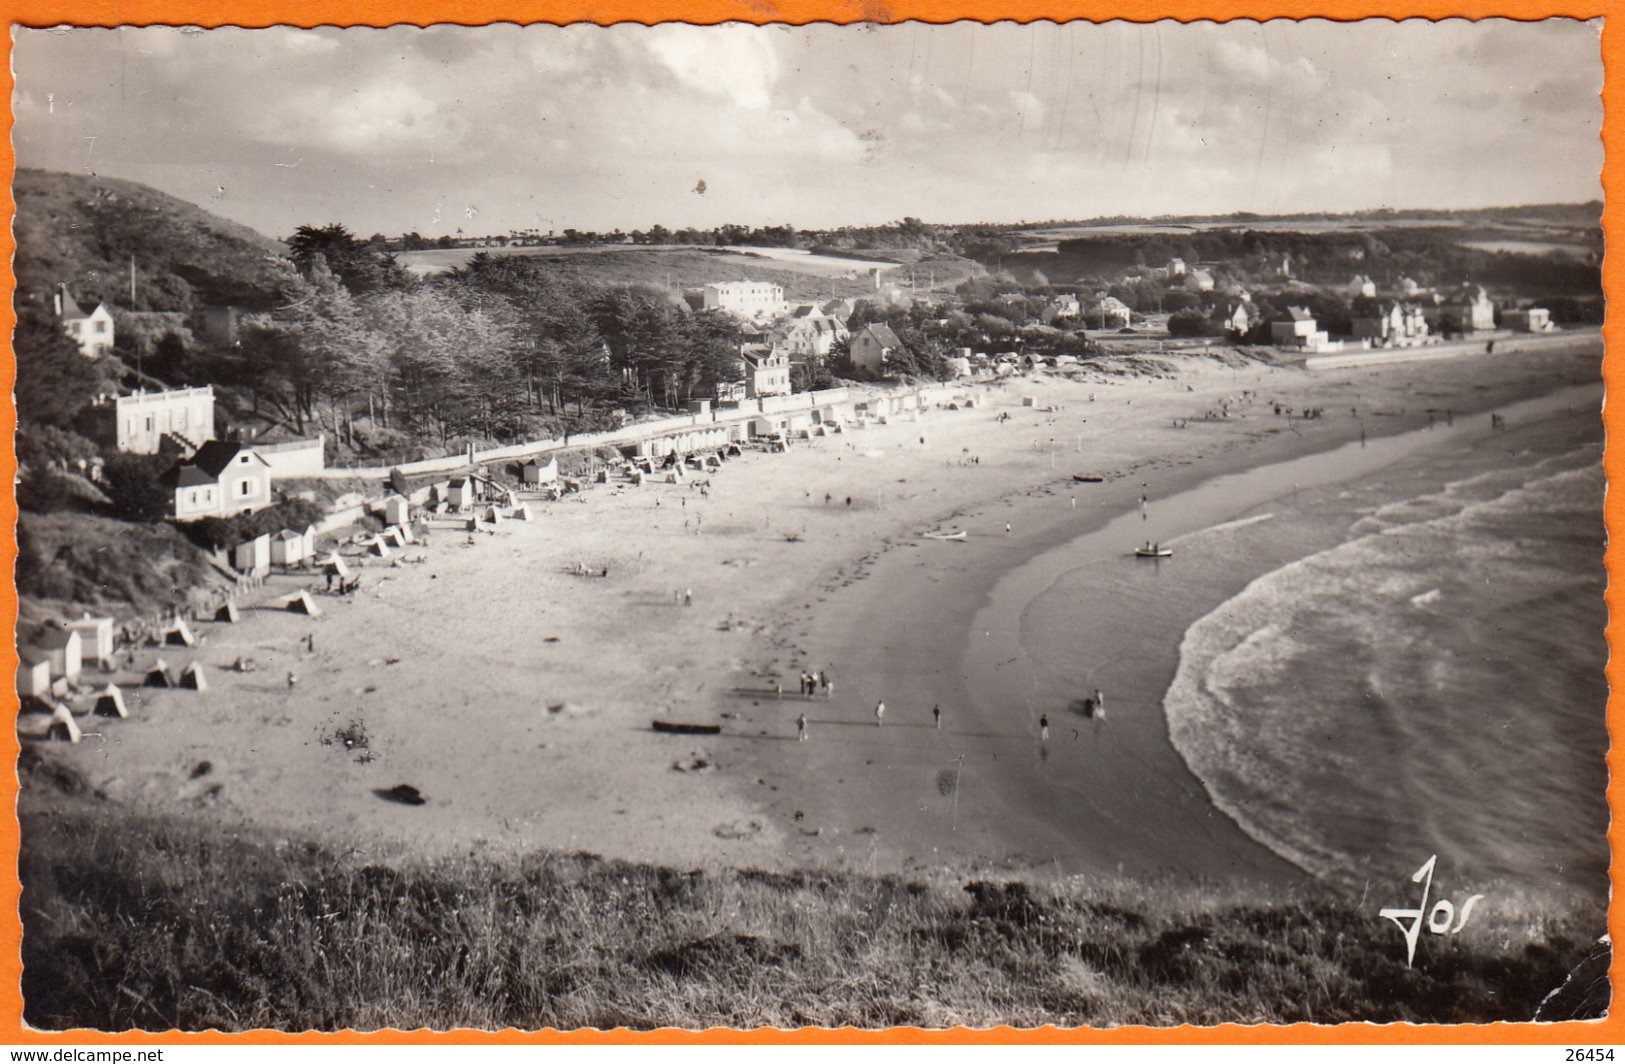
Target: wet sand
{"type": "Point", "coordinates": [517, 697]}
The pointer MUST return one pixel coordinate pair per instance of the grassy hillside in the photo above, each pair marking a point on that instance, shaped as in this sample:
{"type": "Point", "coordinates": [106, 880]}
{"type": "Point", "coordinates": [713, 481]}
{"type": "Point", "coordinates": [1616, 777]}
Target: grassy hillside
{"type": "Point", "coordinates": [82, 231]}
{"type": "Point", "coordinates": [68, 562]}
{"type": "Point", "coordinates": [137, 922]}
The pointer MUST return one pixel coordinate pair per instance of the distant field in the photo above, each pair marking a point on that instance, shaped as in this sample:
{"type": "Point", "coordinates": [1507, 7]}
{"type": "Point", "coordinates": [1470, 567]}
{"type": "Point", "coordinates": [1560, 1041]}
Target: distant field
{"type": "Point", "coordinates": [1530, 247]}
{"type": "Point", "coordinates": [804, 276]}
{"type": "Point", "coordinates": [1282, 225]}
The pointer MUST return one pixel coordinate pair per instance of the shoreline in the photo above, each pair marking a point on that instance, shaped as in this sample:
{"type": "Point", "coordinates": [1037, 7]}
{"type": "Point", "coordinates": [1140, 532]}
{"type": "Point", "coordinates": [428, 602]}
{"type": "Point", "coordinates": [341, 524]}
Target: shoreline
{"type": "Point", "coordinates": [1210, 843]}
{"type": "Point", "coordinates": [522, 743]}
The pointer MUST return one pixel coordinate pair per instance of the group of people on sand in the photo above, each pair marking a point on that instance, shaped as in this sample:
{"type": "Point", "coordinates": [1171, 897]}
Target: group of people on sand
{"type": "Point", "coordinates": [813, 683]}
{"type": "Point", "coordinates": [1093, 707]}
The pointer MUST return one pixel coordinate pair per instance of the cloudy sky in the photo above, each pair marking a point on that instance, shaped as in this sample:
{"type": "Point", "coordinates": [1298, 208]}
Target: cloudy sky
{"type": "Point", "coordinates": [496, 128]}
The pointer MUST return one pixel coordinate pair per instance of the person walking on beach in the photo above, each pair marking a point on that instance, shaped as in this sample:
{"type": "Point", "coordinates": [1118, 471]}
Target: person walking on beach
{"type": "Point", "coordinates": [1100, 702]}
{"type": "Point", "coordinates": [688, 597]}
{"type": "Point", "coordinates": [936, 716]}
{"type": "Point", "coordinates": [801, 728]}
{"type": "Point", "coordinates": [1043, 728]}
{"type": "Point", "coordinates": [1007, 528]}
{"type": "Point", "coordinates": [880, 713]}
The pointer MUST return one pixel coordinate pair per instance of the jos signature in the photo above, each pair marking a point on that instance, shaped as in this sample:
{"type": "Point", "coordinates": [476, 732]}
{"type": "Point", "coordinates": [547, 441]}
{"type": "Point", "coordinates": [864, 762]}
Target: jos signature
{"type": "Point", "coordinates": [1441, 919]}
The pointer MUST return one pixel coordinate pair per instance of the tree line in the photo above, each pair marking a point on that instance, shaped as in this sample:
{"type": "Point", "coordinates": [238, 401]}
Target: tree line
{"type": "Point", "coordinates": [498, 350]}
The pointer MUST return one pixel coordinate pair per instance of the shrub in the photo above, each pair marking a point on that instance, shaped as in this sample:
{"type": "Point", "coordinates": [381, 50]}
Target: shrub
{"type": "Point", "coordinates": [138, 486]}
{"type": "Point", "coordinates": [42, 491]}
{"type": "Point", "coordinates": [1189, 323]}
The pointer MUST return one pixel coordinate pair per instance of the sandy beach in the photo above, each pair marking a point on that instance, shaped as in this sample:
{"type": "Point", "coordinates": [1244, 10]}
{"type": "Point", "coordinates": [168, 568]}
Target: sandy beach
{"type": "Point", "coordinates": [517, 696]}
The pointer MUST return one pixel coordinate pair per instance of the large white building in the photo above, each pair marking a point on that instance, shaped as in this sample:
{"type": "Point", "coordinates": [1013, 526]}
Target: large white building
{"type": "Point", "coordinates": [757, 300]}
{"type": "Point", "coordinates": [139, 423]}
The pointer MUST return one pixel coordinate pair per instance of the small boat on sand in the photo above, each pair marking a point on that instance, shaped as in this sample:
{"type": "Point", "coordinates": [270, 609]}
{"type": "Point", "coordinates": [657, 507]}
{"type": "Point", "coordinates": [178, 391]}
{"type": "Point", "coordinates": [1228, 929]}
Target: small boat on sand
{"type": "Point", "coordinates": [675, 728]}
{"type": "Point", "coordinates": [958, 536]}
{"type": "Point", "coordinates": [1081, 479]}
{"type": "Point", "coordinates": [1153, 552]}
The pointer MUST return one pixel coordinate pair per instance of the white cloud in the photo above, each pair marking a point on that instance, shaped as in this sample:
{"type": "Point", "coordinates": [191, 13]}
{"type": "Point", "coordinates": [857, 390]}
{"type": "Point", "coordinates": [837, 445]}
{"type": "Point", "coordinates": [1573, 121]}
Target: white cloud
{"type": "Point", "coordinates": [733, 63]}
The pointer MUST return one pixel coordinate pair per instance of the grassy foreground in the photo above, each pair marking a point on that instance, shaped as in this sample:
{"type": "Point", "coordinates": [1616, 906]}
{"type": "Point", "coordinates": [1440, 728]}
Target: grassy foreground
{"type": "Point", "coordinates": [133, 922]}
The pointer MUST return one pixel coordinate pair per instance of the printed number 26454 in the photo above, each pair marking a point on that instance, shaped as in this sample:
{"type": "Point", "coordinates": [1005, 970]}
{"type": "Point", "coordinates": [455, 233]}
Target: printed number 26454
{"type": "Point", "coordinates": [1589, 1055]}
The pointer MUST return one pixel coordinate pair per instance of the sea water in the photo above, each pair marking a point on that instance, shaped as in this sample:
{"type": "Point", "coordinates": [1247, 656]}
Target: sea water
{"type": "Point", "coordinates": [1432, 684]}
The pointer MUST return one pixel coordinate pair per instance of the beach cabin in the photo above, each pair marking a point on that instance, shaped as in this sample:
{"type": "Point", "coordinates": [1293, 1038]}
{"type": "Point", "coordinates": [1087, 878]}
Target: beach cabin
{"type": "Point", "coordinates": [253, 556]}
{"type": "Point", "coordinates": [396, 510]}
{"type": "Point", "coordinates": [460, 493]}
{"type": "Point", "coordinates": [95, 640]}
{"type": "Point", "coordinates": [287, 548]}
{"type": "Point", "coordinates": [535, 472]}
{"type": "Point", "coordinates": [63, 649]}
{"type": "Point", "coordinates": [33, 674]}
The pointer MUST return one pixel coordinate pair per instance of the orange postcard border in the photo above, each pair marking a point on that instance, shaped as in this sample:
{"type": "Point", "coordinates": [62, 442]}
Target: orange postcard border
{"type": "Point", "coordinates": [310, 13]}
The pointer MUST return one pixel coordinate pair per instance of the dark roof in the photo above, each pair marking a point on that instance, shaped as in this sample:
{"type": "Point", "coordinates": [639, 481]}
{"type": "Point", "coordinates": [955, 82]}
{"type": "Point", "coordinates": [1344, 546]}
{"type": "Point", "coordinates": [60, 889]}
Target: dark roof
{"type": "Point", "coordinates": [70, 308]}
{"type": "Point", "coordinates": [190, 476]}
{"type": "Point", "coordinates": [213, 457]}
{"type": "Point", "coordinates": [55, 638]}
{"type": "Point", "coordinates": [883, 336]}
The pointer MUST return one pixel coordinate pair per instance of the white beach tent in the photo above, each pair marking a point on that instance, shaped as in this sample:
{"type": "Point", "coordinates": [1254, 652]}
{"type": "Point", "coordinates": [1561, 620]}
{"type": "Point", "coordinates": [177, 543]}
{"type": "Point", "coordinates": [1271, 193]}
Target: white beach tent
{"type": "Point", "coordinates": [58, 725]}
{"type": "Point", "coordinates": [301, 602]}
{"type": "Point", "coordinates": [227, 613]}
{"type": "Point", "coordinates": [158, 675]}
{"type": "Point", "coordinates": [334, 564]}
{"type": "Point", "coordinates": [521, 512]}
{"type": "Point", "coordinates": [179, 634]}
{"type": "Point", "coordinates": [110, 702]}
{"type": "Point", "coordinates": [192, 678]}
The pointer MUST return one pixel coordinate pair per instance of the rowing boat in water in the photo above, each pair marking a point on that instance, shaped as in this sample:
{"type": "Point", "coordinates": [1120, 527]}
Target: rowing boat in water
{"type": "Point", "coordinates": [958, 536]}
{"type": "Point", "coordinates": [1150, 552]}
{"type": "Point", "coordinates": [1081, 479]}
